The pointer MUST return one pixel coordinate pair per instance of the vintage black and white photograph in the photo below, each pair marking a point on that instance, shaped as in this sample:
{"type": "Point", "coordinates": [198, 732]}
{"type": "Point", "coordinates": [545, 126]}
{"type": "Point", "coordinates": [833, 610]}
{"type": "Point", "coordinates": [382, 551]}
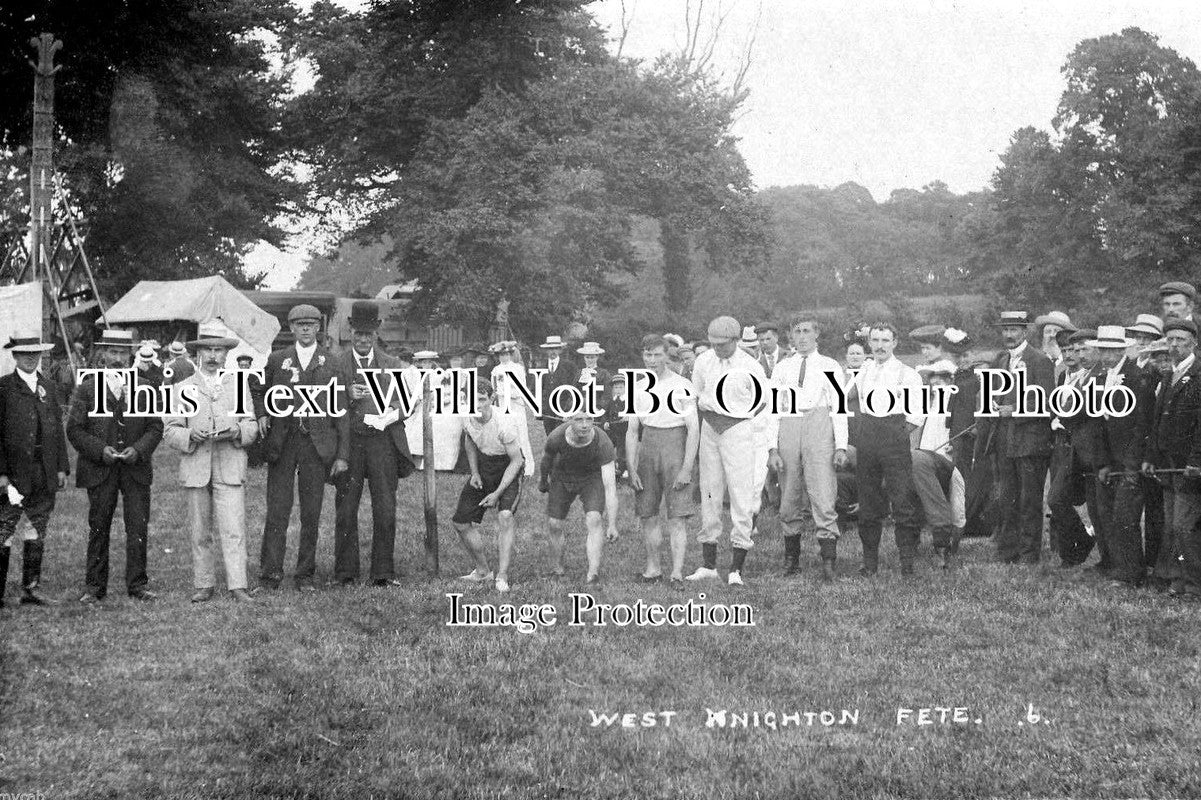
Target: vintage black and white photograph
{"type": "Point", "coordinates": [600, 399]}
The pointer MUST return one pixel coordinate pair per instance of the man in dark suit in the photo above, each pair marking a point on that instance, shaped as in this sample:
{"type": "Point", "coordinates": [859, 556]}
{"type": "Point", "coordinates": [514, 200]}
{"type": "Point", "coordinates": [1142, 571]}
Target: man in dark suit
{"type": "Point", "coordinates": [1072, 445]}
{"type": "Point", "coordinates": [1120, 498]}
{"type": "Point", "coordinates": [560, 371]}
{"type": "Point", "coordinates": [1174, 442]}
{"type": "Point", "coordinates": [379, 455]}
{"type": "Point", "coordinates": [301, 450]}
{"type": "Point", "coordinates": [770, 352]}
{"type": "Point", "coordinates": [33, 460]}
{"type": "Point", "coordinates": [115, 458]}
{"type": "Point", "coordinates": [1021, 445]}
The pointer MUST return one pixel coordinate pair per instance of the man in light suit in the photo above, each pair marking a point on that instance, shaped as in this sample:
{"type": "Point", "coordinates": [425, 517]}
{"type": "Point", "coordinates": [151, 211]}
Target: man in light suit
{"type": "Point", "coordinates": [212, 468]}
{"type": "Point", "coordinates": [379, 456]}
{"type": "Point", "coordinates": [301, 451]}
{"type": "Point", "coordinates": [116, 454]}
{"type": "Point", "coordinates": [1022, 446]}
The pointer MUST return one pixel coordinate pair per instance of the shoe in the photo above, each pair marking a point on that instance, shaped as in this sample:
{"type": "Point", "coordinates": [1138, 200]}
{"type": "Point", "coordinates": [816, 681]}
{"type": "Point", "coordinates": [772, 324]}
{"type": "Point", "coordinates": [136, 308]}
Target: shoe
{"type": "Point", "coordinates": [651, 578]}
{"type": "Point", "coordinates": [89, 599]}
{"type": "Point", "coordinates": [145, 595]}
{"type": "Point", "coordinates": [703, 573]}
{"type": "Point", "coordinates": [241, 596]}
{"type": "Point", "coordinates": [347, 583]}
{"type": "Point", "coordinates": [502, 585]}
{"type": "Point", "coordinates": [382, 582]}
{"type": "Point", "coordinates": [735, 579]}
{"type": "Point", "coordinates": [593, 580]}
{"type": "Point", "coordinates": [829, 573]}
{"type": "Point", "coordinates": [475, 576]}
{"type": "Point", "coordinates": [675, 580]}
{"type": "Point", "coordinates": [867, 572]}
{"type": "Point", "coordinates": [305, 586]}
{"type": "Point", "coordinates": [203, 595]}
{"type": "Point", "coordinates": [269, 584]}
{"type": "Point", "coordinates": [32, 598]}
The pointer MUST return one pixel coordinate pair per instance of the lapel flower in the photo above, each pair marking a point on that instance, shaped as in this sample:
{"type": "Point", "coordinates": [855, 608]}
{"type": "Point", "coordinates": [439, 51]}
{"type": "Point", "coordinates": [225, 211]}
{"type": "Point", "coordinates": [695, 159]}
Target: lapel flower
{"type": "Point", "coordinates": [287, 363]}
{"type": "Point", "coordinates": [320, 360]}
{"type": "Point", "coordinates": [295, 374]}
{"type": "Point", "coordinates": [1185, 379]}
{"type": "Point", "coordinates": [954, 335]}
{"type": "Point", "coordinates": [41, 392]}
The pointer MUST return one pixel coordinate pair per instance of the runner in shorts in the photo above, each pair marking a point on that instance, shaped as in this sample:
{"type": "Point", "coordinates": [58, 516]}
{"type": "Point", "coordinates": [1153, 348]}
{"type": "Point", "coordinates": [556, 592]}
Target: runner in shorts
{"type": "Point", "coordinates": [493, 446]}
{"type": "Point", "coordinates": [661, 445]}
{"type": "Point", "coordinates": [577, 461]}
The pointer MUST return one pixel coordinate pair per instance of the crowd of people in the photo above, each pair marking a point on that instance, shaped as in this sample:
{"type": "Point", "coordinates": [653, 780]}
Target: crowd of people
{"type": "Point", "coordinates": [692, 436]}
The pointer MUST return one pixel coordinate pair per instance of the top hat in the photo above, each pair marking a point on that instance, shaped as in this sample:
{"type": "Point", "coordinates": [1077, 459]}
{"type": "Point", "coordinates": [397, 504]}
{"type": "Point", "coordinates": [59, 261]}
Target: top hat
{"type": "Point", "coordinates": [364, 316]}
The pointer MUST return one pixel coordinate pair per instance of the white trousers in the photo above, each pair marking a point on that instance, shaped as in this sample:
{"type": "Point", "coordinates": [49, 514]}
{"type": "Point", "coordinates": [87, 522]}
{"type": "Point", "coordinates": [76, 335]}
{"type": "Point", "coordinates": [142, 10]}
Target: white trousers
{"type": "Point", "coordinates": [728, 465]}
{"type": "Point", "coordinates": [225, 505]}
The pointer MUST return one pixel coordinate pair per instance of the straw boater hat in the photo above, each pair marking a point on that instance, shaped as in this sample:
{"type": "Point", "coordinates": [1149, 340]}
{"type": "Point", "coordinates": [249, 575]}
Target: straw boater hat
{"type": "Point", "coordinates": [177, 348]}
{"type": "Point", "coordinates": [502, 347]}
{"type": "Point", "coordinates": [425, 355]}
{"type": "Point", "coordinates": [112, 337]}
{"type": "Point", "coordinates": [552, 341]}
{"type": "Point", "coordinates": [591, 349]}
{"type": "Point", "coordinates": [1154, 348]}
{"type": "Point", "coordinates": [749, 336]}
{"type": "Point", "coordinates": [27, 342]}
{"type": "Point", "coordinates": [1012, 318]}
{"type": "Point", "coordinates": [1054, 318]}
{"type": "Point", "coordinates": [1148, 324]}
{"type": "Point", "coordinates": [1110, 337]}
{"type": "Point", "coordinates": [928, 334]}
{"type": "Point", "coordinates": [212, 334]}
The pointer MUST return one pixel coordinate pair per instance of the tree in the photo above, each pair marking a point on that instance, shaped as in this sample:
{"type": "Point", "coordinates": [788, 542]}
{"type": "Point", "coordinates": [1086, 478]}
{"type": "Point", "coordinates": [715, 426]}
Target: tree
{"type": "Point", "coordinates": [168, 117]}
{"type": "Point", "coordinates": [506, 153]}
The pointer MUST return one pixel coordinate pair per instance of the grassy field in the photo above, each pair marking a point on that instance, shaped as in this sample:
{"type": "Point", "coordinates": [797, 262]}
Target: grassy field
{"type": "Point", "coordinates": [366, 692]}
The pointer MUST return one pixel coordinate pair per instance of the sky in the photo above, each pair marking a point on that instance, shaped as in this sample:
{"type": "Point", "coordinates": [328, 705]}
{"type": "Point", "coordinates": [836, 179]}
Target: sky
{"type": "Point", "coordinates": [885, 94]}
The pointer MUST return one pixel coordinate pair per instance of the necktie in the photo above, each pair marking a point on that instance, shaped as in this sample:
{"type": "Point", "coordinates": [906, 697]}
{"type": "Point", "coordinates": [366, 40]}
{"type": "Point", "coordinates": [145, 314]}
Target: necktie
{"type": "Point", "coordinates": [800, 381]}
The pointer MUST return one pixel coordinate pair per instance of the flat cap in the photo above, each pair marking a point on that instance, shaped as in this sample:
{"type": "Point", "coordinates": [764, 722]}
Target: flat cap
{"type": "Point", "coordinates": [1082, 335]}
{"type": "Point", "coordinates": [1178, 287]}
{"type": "Point", "coordinates": [1180, 325]}
{"type": "Point", "coordinates": [766, 326]}
{"type": "Point", "coordinates": [725, 328]}
{"type": "Point", "coordinates": [304, 311]}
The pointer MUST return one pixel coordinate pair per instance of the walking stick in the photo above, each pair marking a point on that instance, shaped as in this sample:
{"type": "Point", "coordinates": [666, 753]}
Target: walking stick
{"type": "Point", "coordinates": [431, 482]}
{"type": "Point", "coordinates": [969, 429]}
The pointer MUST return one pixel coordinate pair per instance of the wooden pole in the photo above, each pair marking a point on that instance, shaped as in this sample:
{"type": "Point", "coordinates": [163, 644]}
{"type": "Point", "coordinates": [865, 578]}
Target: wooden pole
{"type": "Point", "coordinates": [431, 482]}
{"type": "Point", "coordinates": [41, 169]}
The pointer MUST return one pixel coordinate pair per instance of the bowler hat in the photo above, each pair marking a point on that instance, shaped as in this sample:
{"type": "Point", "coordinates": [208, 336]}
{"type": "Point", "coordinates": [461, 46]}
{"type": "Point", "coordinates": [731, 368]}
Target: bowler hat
{"type": "Point", "coordinates": [364, 316]}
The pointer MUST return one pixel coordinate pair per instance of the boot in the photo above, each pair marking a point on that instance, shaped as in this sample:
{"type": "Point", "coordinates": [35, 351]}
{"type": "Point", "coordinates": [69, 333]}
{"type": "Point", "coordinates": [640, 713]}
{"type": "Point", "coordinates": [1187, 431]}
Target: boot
{"type": "Point", "coordinates": [709, 555]}
{"type": "Point", "coordinates": [31, 573]}
{"type": "Point", "coordinates": [4, 552]}
{"type": "Point", "coordinates": [944, 557]}
{"type": "Point", "coordinates": [829, 553]}
{"type": "Point", "coordinates": [908, 556]}
{"type": "Point", "coordinates": [738, 558]}
{"type": "Point", "coordinates": [870, 537]}
{"type": "Point", "coordinates": [792, 555]}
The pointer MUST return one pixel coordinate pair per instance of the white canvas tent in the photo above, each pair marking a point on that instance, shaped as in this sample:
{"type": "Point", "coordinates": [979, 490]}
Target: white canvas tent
{"type": "Point", "coordinates": [200, 300]}
{"type": "Point", "coordinates": [20, 311]}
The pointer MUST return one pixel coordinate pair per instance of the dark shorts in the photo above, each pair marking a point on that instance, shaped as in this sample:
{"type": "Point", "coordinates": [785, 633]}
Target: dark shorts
{"type": "Point", "coordinates": [564, 491]}
{"type": "Point", "coordinates": [660, 456]}
{"type": "Point", "coordinates": [492, 470]}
